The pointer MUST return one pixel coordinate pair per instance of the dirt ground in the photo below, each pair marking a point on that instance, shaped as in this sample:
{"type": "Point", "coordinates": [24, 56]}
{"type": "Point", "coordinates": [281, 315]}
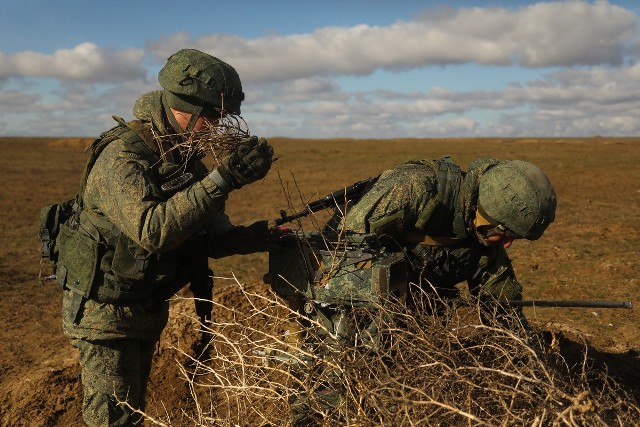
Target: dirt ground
{"type": "Point", "coordinates": [591, 252]}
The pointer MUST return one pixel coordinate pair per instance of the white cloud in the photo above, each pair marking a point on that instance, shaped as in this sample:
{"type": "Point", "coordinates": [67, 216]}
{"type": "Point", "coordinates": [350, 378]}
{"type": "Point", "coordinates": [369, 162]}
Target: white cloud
{"type": "Point", "coordinates": [447, 127]}
{"type": "Point", "coordinates": [15, 101]}
{"type": "Point", "coordinates": [575, 102]}
{"type": "Point", "coordinates": [293, 90]}
{"type": "Point", "coordinates": [85, 62]}
{"type": "Point", "coordinates": [539, 35]}
{"type": "Point", "coordinates": [572, 102]}
{"type": "Point", "coordinates": [593, 88]}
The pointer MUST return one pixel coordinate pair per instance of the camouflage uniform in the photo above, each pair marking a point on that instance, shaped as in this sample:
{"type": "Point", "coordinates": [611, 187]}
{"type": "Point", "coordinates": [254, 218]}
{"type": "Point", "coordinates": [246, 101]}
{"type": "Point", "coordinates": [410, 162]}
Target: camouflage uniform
{"type": "Point", "coordinates": [415, 224]}
{"type": "Point", "coordinates": [404, 205]}
{"type": "Point", "coordinates": [145, 239]}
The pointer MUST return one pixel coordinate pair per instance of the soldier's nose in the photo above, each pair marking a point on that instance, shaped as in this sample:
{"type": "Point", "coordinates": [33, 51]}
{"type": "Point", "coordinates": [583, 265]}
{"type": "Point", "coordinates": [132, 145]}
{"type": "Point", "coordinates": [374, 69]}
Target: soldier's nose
{"type": "Point", "coordinates": [507, 242]}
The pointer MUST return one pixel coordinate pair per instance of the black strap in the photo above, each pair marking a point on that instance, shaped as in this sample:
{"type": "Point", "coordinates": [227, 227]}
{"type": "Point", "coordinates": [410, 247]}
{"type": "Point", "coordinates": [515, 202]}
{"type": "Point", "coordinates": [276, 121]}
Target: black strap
{"type": "Point", "coordinates": [448, 175]}
{"type": "Point", "coordinates": [77, 304]}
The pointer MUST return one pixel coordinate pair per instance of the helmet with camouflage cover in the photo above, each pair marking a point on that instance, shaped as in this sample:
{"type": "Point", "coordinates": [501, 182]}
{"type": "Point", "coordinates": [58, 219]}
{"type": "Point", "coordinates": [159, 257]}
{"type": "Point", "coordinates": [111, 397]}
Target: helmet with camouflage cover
{"type": "Point", "coordinates": [198, 83]}
{"type": "Point", "coordinates": [517, 196]}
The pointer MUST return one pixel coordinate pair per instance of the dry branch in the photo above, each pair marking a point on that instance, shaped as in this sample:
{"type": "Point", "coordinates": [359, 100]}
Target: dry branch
{"type": "Point", "coordinates": [425, 369]}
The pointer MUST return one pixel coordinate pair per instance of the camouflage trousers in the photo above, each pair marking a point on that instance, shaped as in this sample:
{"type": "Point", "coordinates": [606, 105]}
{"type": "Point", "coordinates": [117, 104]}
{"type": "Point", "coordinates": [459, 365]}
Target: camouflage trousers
{"type": "Point", "coordinates": [114, 371]}
{"type": "Point", "coordinates": [116, 344]}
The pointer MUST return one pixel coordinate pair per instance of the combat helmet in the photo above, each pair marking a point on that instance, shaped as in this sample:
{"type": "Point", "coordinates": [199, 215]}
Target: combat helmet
{"type": "Point", "coordinates": [517, 196]}
{"type": "Point", "coordinates": [198, 83]}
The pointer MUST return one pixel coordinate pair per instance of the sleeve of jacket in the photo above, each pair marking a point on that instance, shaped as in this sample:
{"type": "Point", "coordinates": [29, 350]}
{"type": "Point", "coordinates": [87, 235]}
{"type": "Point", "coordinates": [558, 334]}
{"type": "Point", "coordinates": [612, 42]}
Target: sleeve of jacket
{"type": "Point", "coordinates": [496, 279]}
{"type": "Point", "coordinates": [119, 189]}
{"type": "Point", "coordinates": [495, 276]}
{"type": "Point", "coordinates": [254, 236]}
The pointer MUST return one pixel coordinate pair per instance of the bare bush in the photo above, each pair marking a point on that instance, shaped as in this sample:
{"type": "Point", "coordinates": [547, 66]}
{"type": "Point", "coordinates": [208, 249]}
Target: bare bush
{"type": "Point", "coordinates": [214, 139]}
{"type": "Point", "coordinates": [435, 363]}
{"type": "Point", "coordinates": [426, 361]}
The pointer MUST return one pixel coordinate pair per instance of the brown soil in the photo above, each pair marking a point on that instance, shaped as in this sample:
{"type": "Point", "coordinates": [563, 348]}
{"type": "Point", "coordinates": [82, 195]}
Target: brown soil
{"type": "Point", "coordinates": [591, 252]}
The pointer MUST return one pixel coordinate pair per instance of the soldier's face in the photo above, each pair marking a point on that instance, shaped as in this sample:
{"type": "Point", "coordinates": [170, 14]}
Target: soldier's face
{"type": "Point", "coordinates": [494, 238]}
{"type": "Point", "coordinates": [183, 120]}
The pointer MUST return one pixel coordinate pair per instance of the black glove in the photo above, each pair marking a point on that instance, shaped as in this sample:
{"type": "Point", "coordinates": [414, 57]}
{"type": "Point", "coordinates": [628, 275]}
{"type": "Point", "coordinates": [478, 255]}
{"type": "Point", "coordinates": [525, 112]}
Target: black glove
{"type": "Point", "coordinates": [255, 236]}
{"type": "Point", "coordinates": [248, 163]}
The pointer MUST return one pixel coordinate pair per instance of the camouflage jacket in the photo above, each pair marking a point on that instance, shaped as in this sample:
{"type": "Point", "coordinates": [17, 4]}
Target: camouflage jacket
{"type": "Point", "coordinates": [406, 201]}
{"type": "Point", "coordinates": [125, 188]}
{"type": "Point", "coordinates": [148, 236]}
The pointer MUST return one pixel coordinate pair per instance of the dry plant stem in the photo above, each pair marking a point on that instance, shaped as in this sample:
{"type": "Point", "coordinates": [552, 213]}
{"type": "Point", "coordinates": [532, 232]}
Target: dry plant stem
{"type": "Point", "coordinates": [426, 372]}
{"type": "Point", "coordinates": [317, 224]}
{"type": "Point", "coordinates": [215, 139]}
{"type": "Point", "coordinates": [430, 364]}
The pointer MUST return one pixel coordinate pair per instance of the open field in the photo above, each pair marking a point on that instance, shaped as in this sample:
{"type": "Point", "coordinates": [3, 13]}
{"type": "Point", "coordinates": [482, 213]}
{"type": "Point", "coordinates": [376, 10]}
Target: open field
{"type": "Point", "coordinates": [591, 252]}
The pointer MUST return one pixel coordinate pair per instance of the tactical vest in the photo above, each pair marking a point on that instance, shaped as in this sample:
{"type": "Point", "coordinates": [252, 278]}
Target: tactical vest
{"type": "Point", "coordinates": [94, 259]}
{"type": "Point", "coordinates": [439, 222]}
{"type": "Point", "coordinates": [448, 179]}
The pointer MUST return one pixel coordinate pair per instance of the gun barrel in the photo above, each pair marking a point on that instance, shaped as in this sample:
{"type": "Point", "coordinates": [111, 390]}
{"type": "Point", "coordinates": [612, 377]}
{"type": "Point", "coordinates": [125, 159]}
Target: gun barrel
{"type": "Point", "coordinates": [331, 200]}
{"type": "Point", "coordinates": [582, 304]}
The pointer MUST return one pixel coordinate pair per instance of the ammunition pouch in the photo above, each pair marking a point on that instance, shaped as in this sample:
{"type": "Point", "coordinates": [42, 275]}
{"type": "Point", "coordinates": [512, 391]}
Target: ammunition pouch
{"type": "Point", "coordinates": [89, 268]}
{"type": "Point", "coordinates": [133, 274]}
{"type": "Point", "coordinates": [355, 271]}
{"type": "Point", "coordinates": [78, 260]}
{"type": "Point", "coordinates": [51, 217]}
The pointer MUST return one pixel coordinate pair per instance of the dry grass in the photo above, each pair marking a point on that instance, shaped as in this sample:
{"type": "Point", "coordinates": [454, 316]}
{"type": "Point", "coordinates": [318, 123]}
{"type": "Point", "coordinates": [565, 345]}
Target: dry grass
{"type": "Point", "coordinates": [434, 363]}
{"type": "Point", "coordinates": [214, 139]}
{"type": "Point", "coordinates": [426, 361]}
{"type": "Point", "coordinates": [420, 369]}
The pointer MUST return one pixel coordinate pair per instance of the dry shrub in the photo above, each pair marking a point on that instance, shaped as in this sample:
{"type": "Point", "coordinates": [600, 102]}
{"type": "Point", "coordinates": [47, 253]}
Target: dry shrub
{"type": "Point", "coordinates": [214, 139]}
{"type": "Point", "coordinates": [423, 362]}
{"type": "Point", "coordinates": [435, 363]}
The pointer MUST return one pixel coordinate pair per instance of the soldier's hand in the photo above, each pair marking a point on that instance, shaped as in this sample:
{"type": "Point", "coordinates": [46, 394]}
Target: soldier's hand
{"type": "Point", "coordinates": [255, 236]}
{"type": "Point", "coordinates": [248, 163]}
{"type": "Point", "coordinates": [266, 229]}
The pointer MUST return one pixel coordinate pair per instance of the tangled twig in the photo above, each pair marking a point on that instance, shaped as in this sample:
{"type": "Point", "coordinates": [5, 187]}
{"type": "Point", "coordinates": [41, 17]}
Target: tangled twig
{"type": "Point", "coordinates": [434, 361]}
{"type": "Point", "coordinates": [215, 139]}
{"type": "Point", "coordinates": [449, 368]}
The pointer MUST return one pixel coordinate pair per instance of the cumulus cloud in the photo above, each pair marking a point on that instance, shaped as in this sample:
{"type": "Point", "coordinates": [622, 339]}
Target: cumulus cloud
{"type": "Point", "coordinates": [575, 102]}
{"type": "Point", "coordinates": [85, 62]}
{"type": "Point", "coordinates": [16, 101]}
{"type": "Point", "coordinates": [291, 87]}
{"type": "Point", "coordinates": [293, 90]}
{"type": "Point", "coordinates": [539, 35]}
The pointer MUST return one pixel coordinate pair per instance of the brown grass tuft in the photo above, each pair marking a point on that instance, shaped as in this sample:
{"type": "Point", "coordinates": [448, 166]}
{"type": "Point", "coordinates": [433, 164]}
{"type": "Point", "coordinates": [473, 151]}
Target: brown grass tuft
{"type": "Point", "coordinates": [421, 368]}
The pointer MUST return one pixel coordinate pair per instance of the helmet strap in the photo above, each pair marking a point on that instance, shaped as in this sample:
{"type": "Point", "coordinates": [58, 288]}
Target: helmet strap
{"type": "Point", "coordinates": [167, 112]}
{"type": "Point", "coordinates": [195, 114]}
{"type": "Point", "coordinates": [480, 220]}
{"type": "Point", "coordinates": [483, 219]}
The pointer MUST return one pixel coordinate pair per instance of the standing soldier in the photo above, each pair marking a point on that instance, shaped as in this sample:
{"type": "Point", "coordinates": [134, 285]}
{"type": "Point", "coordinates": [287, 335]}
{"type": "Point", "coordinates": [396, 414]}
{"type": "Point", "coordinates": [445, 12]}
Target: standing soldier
{"type": "Point", "coordinates": [148, 216]}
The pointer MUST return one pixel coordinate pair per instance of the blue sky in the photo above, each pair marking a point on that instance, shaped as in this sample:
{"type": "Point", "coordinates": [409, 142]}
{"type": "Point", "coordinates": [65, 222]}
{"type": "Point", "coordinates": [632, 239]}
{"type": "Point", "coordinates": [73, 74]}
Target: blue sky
{"type": "Point", "coordinates": [334, 68]}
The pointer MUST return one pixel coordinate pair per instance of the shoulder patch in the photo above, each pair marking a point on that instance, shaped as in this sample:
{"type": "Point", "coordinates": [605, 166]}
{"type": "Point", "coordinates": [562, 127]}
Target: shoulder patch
{"type": "Point", "coordinates": [129, 155]}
